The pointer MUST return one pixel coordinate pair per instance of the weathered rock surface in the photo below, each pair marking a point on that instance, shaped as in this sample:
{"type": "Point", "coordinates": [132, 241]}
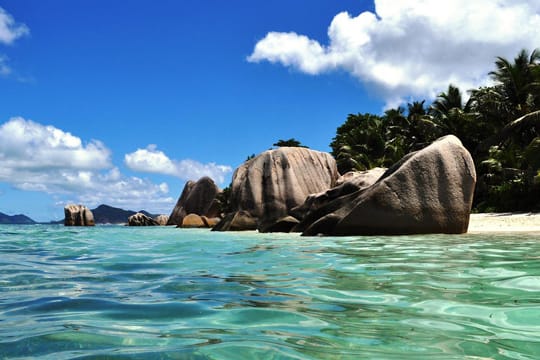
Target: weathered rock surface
{"type": "Point", "coordinates": [78, 215]}
{"type": "Point", "coordinates": [237, 221]}
{"type": "Point", "coordinates": [193, 221]}
{"type": "Point", "coordinates": [362, 179]}
{"type": "Point", "coordinates": [197, 221]}
{"type": "Point", "coordinates": [210, 222]}
{"type": "Point", "coordinates": [428, 191]}
{"type": "Point", "coordinates": [139, 219]}
{"type": "Point", "coordinates": [162, 219]}
{"type": "Point", "coordinates": [348, 183]}
{"type": "Point", "coordinates": [196, 198]}
{"type": "Point", "coordinates": [268, 186]}
{"type": "Point", "coordinates": [285, 224]}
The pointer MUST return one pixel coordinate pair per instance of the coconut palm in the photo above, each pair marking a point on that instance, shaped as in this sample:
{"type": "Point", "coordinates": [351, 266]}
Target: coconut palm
{"type": "Point", "coordinates": [445, 102]}
{"type": "Point", "coordinates": [518, 82]}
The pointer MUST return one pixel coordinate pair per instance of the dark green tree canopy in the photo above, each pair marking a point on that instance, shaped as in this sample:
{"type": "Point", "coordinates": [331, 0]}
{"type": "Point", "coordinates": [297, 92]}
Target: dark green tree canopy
{"type": "Point", "coordinates": [291, 142]}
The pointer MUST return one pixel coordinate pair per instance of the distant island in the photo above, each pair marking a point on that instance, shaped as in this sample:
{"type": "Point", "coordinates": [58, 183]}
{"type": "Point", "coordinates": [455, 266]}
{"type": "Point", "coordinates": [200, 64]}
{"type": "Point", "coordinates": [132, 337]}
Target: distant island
{"type": "Point", "coordinates": [16, 219]}
{"type": "Point", "coordinates": [103, 214]}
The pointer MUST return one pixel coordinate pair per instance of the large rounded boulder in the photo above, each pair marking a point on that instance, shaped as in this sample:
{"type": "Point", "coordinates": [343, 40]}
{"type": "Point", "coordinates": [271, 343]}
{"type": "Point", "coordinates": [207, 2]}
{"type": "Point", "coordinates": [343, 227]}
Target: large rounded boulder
{"type": "Point", "coordinates": [78, 215]}
{"type": "Point", "coordinates": [428, 191]}
{"type": "Point", "coordinates": [162, 219]}
{"type": "Point", "coordinates": [197, 198]}
{"type": "Point", "coordinates": [268, 186]}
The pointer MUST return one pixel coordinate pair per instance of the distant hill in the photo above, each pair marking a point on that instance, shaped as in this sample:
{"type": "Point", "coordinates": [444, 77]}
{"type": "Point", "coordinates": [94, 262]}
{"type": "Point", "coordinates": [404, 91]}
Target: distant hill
{"type": "Point", "coordinates": [16, 219]}
{"type": "Point", "coordinates": [105, 214]}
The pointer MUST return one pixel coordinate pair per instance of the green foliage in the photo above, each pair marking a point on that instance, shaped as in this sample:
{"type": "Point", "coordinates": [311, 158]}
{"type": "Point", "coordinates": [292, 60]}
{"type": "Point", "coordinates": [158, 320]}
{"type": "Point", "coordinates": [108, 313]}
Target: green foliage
{"type": "Point", "coordinates": [360, 143]}
{"type": "Point", "coordinates": [499, 125]}
{"type": "Point", "coordinates": [291, 143]}
{"type": "Point", "coordinates": [224, 200]}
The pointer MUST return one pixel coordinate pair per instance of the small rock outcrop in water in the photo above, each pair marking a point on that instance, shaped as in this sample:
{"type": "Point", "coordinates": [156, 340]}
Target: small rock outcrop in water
{"type": "Point", "coordinates": [428, 191]}
{"type": "Point", "coordinates": [162, 219]}
{"type": "Point", "coordinates": [139, 219]}
{"type": "Point", "coordinates": [78, 215]}
{"type": "Point", "coordinates": [264, 189]}
{"type": "Point", "coordinates": [197, 198]}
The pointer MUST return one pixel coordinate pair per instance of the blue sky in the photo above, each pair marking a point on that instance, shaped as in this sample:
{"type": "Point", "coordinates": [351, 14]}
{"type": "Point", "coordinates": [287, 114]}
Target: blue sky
{"type": "Point", "coordinates": [121, 102]}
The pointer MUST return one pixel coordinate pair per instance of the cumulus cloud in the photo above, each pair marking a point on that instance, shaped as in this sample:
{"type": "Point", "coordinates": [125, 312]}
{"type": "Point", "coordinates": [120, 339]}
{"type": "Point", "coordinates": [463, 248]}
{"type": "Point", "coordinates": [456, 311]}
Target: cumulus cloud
{"type": "Point", "coordinates": [412, 48]}
{"type": "Point", "coordinates": [9, 29]}
{"type": "Point", "coordinates": [155, 161]}
{"type": "Point", "coordinates": [35, 157]}
{"type": "Point", "coordinates": [25, 144]}
{"type": "Point", "coordinates": [115, 189]}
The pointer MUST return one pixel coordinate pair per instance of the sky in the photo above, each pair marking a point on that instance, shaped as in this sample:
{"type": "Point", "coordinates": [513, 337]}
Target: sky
{"type": "Point", "coordinates": [121, 102]}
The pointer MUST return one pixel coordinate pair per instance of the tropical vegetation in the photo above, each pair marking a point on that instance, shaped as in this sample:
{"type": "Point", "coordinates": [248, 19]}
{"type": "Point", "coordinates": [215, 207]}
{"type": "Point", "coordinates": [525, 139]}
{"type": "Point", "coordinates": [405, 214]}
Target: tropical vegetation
{"type": "Point", "coordinates": [290, 142]}
{"type": "Point", "coordinates": [498, 124]}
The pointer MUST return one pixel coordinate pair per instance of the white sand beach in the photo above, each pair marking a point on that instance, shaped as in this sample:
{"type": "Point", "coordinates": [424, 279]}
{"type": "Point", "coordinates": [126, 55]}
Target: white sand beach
{"type": "Point", "coordinates": [505, 222]}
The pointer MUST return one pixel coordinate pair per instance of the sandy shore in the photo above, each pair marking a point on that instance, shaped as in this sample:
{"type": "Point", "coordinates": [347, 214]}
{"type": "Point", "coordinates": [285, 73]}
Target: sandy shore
{"type": "Point", "coordinates": [505, 222]}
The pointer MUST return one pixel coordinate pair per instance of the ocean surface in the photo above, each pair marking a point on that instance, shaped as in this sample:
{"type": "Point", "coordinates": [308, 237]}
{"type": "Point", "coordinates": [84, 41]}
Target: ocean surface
{"type": "Point", "coordinates": [114, 292]}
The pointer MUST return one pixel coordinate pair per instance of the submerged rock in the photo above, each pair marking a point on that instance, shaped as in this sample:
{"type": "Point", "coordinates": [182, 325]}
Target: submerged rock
{"type": "Point", "coordinates": [428, 191]}
{"type": "Point", "coordinates": [78, 215]}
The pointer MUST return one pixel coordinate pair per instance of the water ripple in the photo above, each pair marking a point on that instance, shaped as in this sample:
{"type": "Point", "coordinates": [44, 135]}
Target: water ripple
{"type": "Point", "coordinates": [162, 293]}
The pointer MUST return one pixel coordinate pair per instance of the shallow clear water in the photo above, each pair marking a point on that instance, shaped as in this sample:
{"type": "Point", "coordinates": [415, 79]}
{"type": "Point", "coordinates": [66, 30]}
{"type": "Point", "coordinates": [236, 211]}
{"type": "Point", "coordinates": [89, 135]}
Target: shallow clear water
{"type": "Point", "coordinates": [164, 293]}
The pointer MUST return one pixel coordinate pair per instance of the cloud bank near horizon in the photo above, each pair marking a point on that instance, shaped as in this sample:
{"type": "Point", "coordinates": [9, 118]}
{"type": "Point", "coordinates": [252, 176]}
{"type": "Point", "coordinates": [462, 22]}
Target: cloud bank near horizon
{"type": "Point", "coordinates": [412, 48]}
{"type": "Point", "coordinates": [46, 159]}
{"type": "Point", "coordinates": [152, 160]}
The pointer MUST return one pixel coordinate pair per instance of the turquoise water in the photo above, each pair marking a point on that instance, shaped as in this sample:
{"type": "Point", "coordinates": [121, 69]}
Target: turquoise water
{"type": "Point", "coordinates": [113, 292]}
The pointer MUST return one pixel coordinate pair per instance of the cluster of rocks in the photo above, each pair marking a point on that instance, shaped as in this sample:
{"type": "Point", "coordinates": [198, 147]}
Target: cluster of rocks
{"type": "Point", "coordinates": [293, 189]}
{"type": "Point", "coordinates": [428, 191]}
{"type": "Point", "coordinates": [80, 215]}
{"type": "Point", "coordinates": [140, 219]}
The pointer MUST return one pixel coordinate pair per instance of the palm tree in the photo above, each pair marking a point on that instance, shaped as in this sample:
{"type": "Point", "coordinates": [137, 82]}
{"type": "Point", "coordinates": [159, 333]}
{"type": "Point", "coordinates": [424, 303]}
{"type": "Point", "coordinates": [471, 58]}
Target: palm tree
{"type": "Point", "coordinates": [445, 102]}
{"type": "Point", "coordinates": [360, 143]}
{"type": "Point", "coordinates": [422, 128]}
{"type": "Point", "coordinates": [518, 82]}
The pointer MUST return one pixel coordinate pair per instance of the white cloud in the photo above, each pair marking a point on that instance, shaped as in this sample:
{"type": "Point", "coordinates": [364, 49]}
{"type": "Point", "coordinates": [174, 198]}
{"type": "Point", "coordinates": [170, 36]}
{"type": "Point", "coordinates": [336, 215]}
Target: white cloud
{"type": "Point", "coordinates": [9, 29]}
{"type": "Point", "coordinates": [25, 144]}
{"type": "Point", "coordinates": [155, 161]}
{"type": "Point", "coordinates": [413, 48]}
{"type": "Point", "coordinates": [35, 157]}
{"type": "Point", "coordinates": [114, 189]}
